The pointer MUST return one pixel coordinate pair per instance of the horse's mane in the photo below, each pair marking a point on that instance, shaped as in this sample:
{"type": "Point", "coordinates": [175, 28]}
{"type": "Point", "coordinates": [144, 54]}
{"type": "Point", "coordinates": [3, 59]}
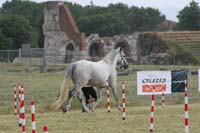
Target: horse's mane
{"type": "Point", "coordinates": [109, 58]}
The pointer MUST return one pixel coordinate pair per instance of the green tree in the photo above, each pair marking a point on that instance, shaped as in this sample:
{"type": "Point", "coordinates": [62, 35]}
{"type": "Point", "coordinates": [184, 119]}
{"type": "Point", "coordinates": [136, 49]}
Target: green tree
{"type": "Point", "coordinates": [104, 24]}
{"type": "Point", "coordinates": [145, 19]}
{"type": "Point", "coordinates": [16, 30]}
{"type": "Point", "coordinates": [107, 21]}
{"type": "Point", "coordinates": [118, 19]}
{"type": "Point", "coordinates": [189, 17]}
{"type": "Point", "coordinates": [32, 11]}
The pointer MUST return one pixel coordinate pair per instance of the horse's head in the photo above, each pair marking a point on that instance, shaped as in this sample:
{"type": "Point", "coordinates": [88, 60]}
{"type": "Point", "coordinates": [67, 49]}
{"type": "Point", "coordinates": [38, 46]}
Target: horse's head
{"type": "Point", "coordinates": [122, 60]}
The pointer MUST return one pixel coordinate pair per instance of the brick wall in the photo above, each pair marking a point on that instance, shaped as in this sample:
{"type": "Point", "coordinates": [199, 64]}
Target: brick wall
{"type": "Point", "coordinates": [68, 25]}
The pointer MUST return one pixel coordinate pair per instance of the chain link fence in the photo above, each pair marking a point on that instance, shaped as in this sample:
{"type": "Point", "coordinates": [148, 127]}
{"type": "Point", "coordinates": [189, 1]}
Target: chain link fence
{"type": "Point", "coordinates": [9, 55]}
{"type": "Point", "coordinates": [34, 57]}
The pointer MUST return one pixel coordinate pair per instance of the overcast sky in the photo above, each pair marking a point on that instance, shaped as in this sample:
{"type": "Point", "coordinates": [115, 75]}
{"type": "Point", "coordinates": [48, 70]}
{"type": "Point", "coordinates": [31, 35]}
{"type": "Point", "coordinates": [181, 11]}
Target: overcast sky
{"type": "Point", "coordinates": [170, 8]}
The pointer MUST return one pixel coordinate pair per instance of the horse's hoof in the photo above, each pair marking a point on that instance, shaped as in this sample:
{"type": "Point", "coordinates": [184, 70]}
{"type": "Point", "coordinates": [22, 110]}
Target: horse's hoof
{"type": "Point", "coordinates": [85, 111]}
{"type": "Point", "coordinates": [64, 110]}
{"type": "Point", "coordinates": [90, 107]}
{"type": "Point", "coordinates": [119, 108]}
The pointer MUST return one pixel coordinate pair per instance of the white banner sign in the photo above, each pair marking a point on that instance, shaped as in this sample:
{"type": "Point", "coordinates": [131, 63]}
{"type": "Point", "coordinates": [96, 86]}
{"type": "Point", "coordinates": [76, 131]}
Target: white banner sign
{"type": "Point", "coordinates": [199, 79]}
{"type": "Point", "coordinates": [160, 80]}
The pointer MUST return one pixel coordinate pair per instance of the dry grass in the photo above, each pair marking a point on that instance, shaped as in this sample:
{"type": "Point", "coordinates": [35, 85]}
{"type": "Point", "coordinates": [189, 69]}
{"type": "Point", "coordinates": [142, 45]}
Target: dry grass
{"type": "Point", "coordinates": [167, 120]}
{"type": "Point", "coordinates": [43, 88]}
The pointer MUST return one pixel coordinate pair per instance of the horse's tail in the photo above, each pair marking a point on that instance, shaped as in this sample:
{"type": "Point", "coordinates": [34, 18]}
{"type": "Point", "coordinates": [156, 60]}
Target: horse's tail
{"type": "Point", "coordinates": [63, 89]}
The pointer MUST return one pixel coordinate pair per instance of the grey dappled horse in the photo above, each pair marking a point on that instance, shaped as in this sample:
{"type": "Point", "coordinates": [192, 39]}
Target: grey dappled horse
{"type": "Point", "coordinates": [84, 73]}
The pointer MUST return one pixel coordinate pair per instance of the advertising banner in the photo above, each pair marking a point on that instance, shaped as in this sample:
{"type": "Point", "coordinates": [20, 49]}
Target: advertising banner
{"type": "Point", "coordinates": [160, 80]}
{"type": "Point", "coordinates": [178, 80]}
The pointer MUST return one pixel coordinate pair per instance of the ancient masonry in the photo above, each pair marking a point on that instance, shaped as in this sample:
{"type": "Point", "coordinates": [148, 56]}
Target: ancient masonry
{"type": "Point", "coordinates": [64, 43]}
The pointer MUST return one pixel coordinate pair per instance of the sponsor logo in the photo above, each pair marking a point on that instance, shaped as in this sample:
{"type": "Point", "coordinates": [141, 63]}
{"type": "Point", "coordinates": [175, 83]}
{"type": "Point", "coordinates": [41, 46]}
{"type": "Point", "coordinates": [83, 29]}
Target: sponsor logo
{"type": "Point", "coordinates": [157, 87]}
{"type": "Point", "coordinates": [154, 80]}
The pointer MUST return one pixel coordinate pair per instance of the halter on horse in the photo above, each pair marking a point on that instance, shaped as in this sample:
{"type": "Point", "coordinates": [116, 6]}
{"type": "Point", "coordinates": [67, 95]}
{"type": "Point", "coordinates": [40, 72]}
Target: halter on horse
{"type": "Point", "coordinates": [85, 73]}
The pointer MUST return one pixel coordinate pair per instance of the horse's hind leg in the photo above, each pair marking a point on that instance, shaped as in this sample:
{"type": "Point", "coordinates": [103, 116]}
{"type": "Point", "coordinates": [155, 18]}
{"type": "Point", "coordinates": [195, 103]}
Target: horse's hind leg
{"type": "Point", "coordinates": [66, 105]}
{"type": "Point", "coordinates": [82, 100]}
{"type": "Point", "coordinates": [76, 91]}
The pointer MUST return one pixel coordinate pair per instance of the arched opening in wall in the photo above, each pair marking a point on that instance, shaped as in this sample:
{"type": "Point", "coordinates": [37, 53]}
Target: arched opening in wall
{"type": "Point", "coordinates": [95, 51]}
{"type": "Point", "coordinates": [125, 48]}
{"type": "Point", "coordinates": [69, 53]}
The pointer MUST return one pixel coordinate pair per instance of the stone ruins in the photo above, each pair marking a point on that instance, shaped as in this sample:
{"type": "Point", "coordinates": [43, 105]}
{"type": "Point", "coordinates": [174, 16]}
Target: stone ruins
{"type": "Point", "coordinates": [64, 43]}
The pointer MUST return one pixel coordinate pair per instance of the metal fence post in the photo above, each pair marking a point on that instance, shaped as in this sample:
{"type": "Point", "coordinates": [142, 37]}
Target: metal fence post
{"type": "Point", "coordinates": [8, 56]}
{"type": "Point", "coordinates": [20, 56]}
{"type": "Point", "coordinates": [43, 65]}
{"type": "Point", "coordinates": [30, 56]}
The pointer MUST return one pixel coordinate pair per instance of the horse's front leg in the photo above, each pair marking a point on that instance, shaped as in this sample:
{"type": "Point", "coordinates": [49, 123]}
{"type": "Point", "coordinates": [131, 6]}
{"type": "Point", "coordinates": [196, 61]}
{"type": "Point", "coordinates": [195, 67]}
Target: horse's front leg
{"type": "Point", "coordinates": [100, 93]}
{"type": "Point", "coordinates": [113, 85]}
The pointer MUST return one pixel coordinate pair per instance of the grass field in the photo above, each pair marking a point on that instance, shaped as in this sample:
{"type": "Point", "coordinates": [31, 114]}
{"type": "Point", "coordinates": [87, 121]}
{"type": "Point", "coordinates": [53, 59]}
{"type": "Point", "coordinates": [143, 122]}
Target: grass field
{"type": "Point", "coordinates": [43, 88]}
{"type": "Point", "coordinates": [167, 120]}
